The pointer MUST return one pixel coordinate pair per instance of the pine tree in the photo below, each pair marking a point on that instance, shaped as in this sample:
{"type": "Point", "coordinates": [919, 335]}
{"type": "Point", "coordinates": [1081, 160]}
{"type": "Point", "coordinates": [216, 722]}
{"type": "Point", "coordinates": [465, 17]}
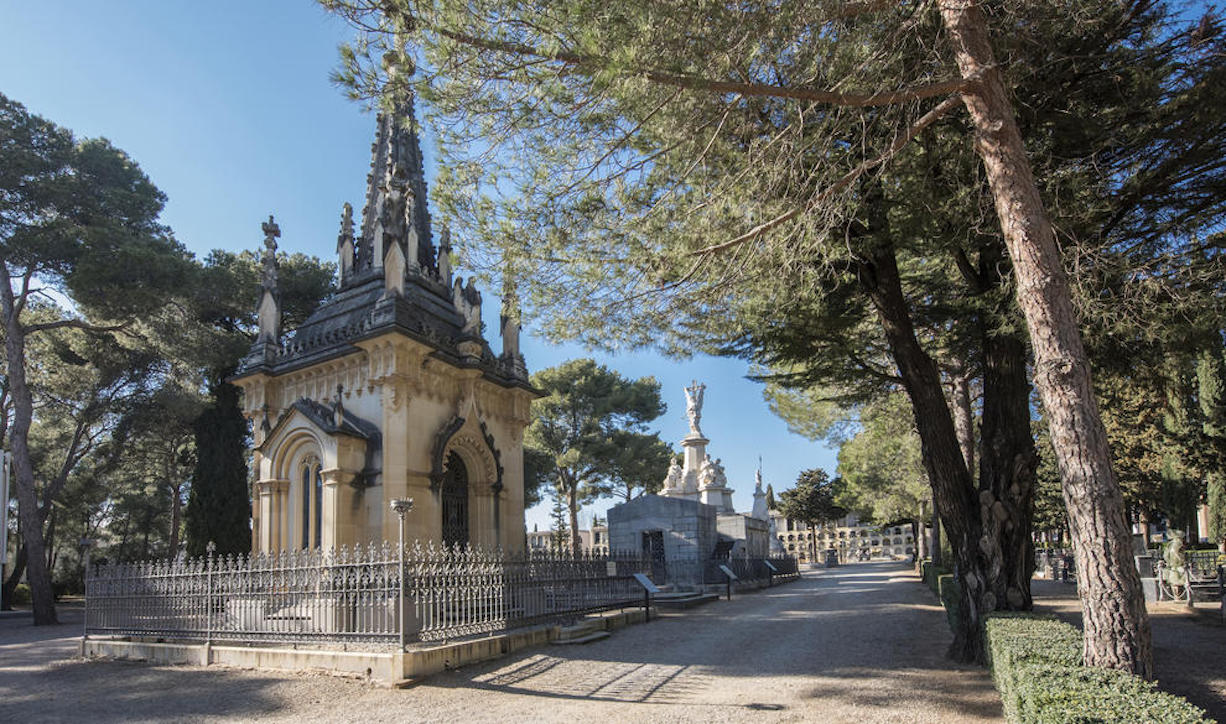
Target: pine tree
{"type": "Point", "coordinates": [218, 507]}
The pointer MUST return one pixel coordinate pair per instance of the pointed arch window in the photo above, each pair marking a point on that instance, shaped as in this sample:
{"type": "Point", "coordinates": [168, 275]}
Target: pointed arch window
{"type": "Point", "coordinates": [311, 485]}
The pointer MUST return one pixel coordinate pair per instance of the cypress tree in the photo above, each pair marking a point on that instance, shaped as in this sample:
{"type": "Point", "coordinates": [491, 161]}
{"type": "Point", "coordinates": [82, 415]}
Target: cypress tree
{"type": "Point", "coordinates": [219, 507]}
{"type": "Point", "coordinates": [1211, 388]}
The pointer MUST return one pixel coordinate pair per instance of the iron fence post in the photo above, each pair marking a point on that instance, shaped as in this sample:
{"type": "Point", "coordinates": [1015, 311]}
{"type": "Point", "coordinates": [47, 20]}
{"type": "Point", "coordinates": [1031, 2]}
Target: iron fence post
{"type": "Point", "coordinates": [208, 593]}
{"type": "Point", "coordinates": [1221, 592]}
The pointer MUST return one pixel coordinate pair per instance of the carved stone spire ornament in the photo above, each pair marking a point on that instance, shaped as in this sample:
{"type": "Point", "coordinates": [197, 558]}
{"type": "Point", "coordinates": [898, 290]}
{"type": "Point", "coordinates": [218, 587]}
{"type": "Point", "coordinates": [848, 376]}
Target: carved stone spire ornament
{"type": "Point", "coordinates": [759, 496]}
{"type": "Point", "coordinates": [396, 210]}
{"type": "Point", "coordinates": [338, 407]}
{"type": "Point", "coordinates": [508, 320]}
{"type": "Point", "coordinates": [269, 310]}
{"type": "Point", "coordinates": [444, 256]}
{"type": "Point", "coordinates": [346, 249]}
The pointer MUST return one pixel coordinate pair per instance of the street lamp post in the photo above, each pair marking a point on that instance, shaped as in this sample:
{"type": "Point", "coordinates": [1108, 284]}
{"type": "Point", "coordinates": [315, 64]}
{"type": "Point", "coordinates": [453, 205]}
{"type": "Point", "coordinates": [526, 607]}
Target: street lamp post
{"type": "Point", "coordinates": [402, 506]}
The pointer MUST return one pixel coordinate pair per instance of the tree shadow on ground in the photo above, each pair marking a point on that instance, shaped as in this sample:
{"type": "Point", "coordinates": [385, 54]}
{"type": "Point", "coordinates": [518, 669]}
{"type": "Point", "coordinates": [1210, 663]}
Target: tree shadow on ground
{"type": "Point", "coordinates": [859, 638]}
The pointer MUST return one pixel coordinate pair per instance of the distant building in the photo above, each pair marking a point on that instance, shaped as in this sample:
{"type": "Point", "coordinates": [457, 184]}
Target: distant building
{"type": "Point", "coordinates": [851, 538]}
{"type": "Point", "coordinates": [594, 541]}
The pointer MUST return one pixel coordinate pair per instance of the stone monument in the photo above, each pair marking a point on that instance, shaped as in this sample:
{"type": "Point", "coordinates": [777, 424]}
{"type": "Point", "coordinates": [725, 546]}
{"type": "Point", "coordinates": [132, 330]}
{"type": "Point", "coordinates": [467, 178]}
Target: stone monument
{"type": "Point", "coordinates": [692, 520]}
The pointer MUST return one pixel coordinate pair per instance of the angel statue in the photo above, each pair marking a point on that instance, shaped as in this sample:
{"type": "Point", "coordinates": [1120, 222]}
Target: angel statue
{"type": "Point", "coordinates": [693, 405]}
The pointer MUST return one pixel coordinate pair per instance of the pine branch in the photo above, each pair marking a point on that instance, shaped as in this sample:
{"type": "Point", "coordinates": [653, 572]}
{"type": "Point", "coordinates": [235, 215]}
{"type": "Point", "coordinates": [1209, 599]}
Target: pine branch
{"type": "Point", "coordinates": [75, 324]}
{"type": "Point", "coordinates": [899, 143]}
{"type": "Point", "coordinates": [691, 82]}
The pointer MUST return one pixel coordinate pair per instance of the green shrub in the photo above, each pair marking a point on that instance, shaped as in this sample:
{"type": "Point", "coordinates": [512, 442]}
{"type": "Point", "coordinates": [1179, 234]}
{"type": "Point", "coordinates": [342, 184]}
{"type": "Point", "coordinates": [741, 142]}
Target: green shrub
{"type": "Point", "coordinates": [930, 574]}
{"type": "Point", "coordinates": [950, 594]}
{"type": "Point", "coordinates": [21, 595]}
{"type": "Point", "coordinates": [1037, 666]}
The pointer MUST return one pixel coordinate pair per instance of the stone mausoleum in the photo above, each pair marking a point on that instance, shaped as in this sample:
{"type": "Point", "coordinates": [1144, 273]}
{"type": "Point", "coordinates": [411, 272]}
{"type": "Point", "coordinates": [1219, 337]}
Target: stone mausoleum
{"type": "Point", "coordinates": [692, 521]}
{"type": "Point", "coordinates": [389, 389]}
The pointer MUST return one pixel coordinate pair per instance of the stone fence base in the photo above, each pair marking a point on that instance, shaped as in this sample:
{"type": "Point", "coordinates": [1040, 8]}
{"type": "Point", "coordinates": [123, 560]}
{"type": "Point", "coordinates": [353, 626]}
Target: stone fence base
{"type": "Point", "coordinates": [388, 668]}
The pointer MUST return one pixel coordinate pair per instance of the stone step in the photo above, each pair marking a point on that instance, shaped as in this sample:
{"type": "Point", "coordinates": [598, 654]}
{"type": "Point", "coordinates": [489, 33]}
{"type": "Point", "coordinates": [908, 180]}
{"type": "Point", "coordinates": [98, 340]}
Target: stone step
{"type": "Point", "coordinates": [587, 639]}
{"type": "Point", "coordinates": [676, 602]}
{"type": "Point", "coordinates": [582, 628]}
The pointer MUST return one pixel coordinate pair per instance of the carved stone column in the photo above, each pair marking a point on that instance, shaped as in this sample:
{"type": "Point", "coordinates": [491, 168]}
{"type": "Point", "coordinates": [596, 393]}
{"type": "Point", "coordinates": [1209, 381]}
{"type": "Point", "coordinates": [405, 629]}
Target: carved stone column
{"type": "Point", "coordinates": [395, 402]}
{"type": "Point", "coordinates": [270, 503]}
{"type": "Point", "coordinates": [339, 515]}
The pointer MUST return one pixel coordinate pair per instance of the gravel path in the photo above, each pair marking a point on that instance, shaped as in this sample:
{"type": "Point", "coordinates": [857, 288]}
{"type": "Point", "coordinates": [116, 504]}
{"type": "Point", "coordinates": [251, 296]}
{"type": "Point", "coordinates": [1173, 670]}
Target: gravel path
{"type": "Point", "coordinates": [1189, 647]}
{"type": "Point", "coordinates": [862, 643]}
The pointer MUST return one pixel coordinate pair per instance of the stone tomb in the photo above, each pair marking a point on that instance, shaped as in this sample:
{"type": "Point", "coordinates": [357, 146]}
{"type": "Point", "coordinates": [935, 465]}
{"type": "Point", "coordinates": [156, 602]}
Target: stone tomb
{"type": "Point", "coordinates": [692, 521]}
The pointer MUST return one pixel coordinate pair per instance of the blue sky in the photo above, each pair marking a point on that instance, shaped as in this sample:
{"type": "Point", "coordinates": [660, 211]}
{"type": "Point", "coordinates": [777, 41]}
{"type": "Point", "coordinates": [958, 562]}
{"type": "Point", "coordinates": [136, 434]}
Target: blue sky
{"type": "Point", "coordinates": [227, 107]}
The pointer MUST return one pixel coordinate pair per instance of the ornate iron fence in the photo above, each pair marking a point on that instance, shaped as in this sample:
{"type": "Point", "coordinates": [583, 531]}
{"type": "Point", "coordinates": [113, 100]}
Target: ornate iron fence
{"type": "Point", "coordinates": [352, 597]}
{"type": "Point", "coordinates": [701, 572]}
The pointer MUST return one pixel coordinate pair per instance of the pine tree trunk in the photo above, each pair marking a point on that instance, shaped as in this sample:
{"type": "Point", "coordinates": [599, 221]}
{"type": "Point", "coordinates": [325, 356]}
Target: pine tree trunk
{"type": "Point", "coordinates": [572, 505]}
{"type": "Point", "coordinates": [964, 418]}
{"type": "Point", "coordinates": [1113, 609]}
{"type": "Point", "coordinates": [934, 541]}
{"type": "Point", "coordinates": [28, 515]}
{"type": "Point", "coordinates": [953, 490]}
{"type": "Point", "coordinates": [10, 584]}
{"type": "Point", "coordinates": [1007, 464]}
{"type": "Point", "coordinates": [176, 513]}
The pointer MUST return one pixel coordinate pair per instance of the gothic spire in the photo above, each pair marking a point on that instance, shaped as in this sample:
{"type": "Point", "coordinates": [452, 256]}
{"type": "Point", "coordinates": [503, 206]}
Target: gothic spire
{"type": "Point", "coordinates": [396, 210]}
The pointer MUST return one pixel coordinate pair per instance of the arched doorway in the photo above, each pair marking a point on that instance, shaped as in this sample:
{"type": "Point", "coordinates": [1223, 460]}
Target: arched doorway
{"type": "Point", "coordinates": [455, 501]}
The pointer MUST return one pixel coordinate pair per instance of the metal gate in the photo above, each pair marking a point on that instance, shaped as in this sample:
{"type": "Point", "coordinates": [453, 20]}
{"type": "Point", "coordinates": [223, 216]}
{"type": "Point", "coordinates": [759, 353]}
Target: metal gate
{"type": "Point", "coordinates": [653, 551]}
{"type": "Point", "coordinates": [455, 502]}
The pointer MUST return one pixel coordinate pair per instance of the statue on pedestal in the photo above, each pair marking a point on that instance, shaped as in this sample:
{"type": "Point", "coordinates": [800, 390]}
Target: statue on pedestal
{"type": "Point", "coordinates": [673, 481]}
{"type": "Point", "coordinates": [712, 474]}
{"type": "Point", "coordinates": [693, 405]}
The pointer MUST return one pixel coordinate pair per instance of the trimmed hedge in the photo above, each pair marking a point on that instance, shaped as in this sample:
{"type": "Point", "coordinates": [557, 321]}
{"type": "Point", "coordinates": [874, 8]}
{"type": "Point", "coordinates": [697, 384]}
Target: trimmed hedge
{"type": "Point", "coordinates": [1037, 666]}
{"type": "Point", "coordinates": [950, 594]}
{"type": "Point", "coordinates": [930, 573]}
{"type": "Point", "coordinates": [943, 584]}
